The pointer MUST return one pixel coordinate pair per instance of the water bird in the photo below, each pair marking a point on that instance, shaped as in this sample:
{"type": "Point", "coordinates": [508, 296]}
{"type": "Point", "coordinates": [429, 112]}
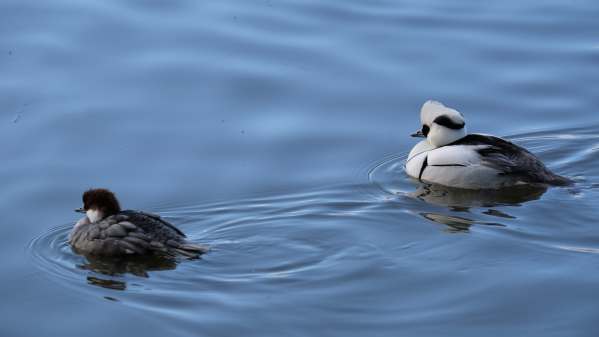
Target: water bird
{"type": "Point", "coordinates": [108, 231]}
{"type": "Point", "coordinates": [449, 156]}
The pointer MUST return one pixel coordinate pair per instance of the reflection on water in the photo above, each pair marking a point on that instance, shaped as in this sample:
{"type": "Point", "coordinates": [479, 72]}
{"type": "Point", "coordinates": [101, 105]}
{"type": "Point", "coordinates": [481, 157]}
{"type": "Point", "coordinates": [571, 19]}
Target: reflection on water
{"type": "Point", "coordinates": [138, 266]}
{"type": "Point", "coordinates": [108, 284]}
{"type": "Point", "coordinates": [455, 197]}
{"type": "Point", "coordinates": [498, 213]}
{"type": "Point", "coordinates": [462, 200]}
{"type": "Point", "coordinates": [456, 223]}
{"type": "Point", "coordinates": [587, 250]}
{"type": "Point", "coordinates": [115, 268]}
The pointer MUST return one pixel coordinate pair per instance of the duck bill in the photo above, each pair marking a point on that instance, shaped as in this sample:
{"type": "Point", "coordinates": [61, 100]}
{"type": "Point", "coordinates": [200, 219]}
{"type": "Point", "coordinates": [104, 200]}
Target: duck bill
{"type": "Point", "coordinates": [80, 210]}
{"type": "Point", "coordinates": [418, 134]}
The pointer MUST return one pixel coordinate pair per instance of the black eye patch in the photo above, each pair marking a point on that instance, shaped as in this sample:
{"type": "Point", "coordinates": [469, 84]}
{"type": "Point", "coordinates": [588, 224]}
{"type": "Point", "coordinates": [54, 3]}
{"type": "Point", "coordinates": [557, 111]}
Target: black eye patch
{"type": "Point", "coordinates": [448, 123]}
{"type": "Point", "coordinates": [425, 130]}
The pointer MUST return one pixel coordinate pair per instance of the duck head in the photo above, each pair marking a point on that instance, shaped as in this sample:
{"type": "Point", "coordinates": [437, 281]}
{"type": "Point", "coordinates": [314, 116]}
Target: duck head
{"type": "Point", "coordinates": [98, 204]}
{"type": "Point", "coordinates": [440, 125]}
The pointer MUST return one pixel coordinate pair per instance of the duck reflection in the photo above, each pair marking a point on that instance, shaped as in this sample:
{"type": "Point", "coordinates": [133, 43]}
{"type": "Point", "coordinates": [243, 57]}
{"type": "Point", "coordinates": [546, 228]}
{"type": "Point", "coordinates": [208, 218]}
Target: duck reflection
{"type": "Point", "coordinates": [461, 200]}
{"type": "Point", "coordinates": [456, 224]}
{"type": "Point", "coordinates": [114, 267]}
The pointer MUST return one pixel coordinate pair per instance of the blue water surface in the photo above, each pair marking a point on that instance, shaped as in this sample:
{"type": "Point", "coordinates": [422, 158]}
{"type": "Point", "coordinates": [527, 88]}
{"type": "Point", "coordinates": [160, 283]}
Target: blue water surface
{"type": "Point", "coordinates": [275, 131]}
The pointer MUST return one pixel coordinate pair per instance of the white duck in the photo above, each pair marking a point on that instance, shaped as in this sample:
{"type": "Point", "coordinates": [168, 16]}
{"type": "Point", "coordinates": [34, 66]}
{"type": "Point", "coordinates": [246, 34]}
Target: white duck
{"type": "Point", "coordinates": [451, 157]}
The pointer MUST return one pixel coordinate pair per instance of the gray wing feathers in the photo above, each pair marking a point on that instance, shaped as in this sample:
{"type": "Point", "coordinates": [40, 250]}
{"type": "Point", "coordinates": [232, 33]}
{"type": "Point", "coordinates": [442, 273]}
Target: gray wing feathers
{"type": "Point", "coordinates": [133, 233]}
{"type": "Point", "coordinates": [509, 162]}
{"type": "Point", "coordinates": [512, 160]}
{"type": "Point", "coordinates": [154, 221]}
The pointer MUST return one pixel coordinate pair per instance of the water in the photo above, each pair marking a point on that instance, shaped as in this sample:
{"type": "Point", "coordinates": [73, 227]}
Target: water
{"type": "Point", "coordinates": [275, 132]}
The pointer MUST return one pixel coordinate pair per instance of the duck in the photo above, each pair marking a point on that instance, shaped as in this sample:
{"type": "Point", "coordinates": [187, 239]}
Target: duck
{"type": "Point", "coordinates": [451, 157]}
{"type": "Point", "coordinates": [108, 231]}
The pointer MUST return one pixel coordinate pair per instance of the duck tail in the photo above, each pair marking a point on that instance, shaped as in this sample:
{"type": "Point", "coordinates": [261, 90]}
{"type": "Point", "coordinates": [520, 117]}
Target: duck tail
{"type": "Point", "coordinates": [191, 251]}
{"type": "Point", "coordinates": [186, 249]}
{"type": "Point", "coordinates": [557, 180]}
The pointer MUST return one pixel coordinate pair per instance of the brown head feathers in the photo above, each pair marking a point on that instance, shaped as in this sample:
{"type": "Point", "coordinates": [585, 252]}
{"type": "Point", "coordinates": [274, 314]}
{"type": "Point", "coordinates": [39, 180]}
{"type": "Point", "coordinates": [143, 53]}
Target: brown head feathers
{"type": "Point", "coordinates": [102, 200]}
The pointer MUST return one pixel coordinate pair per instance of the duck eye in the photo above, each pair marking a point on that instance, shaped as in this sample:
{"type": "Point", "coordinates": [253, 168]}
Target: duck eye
{"type": "Point", "coordinates": [425, 130]}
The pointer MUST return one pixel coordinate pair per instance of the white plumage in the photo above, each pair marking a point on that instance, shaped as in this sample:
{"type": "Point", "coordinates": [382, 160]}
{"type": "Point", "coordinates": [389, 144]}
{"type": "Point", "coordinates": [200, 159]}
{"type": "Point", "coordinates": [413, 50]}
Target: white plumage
{"type": "Point", "coordinates": [449, 156]}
